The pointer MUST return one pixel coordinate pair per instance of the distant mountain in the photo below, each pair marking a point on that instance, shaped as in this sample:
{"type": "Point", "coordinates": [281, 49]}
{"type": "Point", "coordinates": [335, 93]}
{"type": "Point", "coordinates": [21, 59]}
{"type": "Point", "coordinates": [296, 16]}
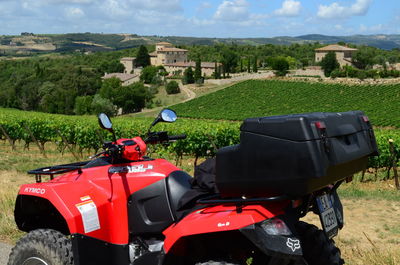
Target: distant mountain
{"type": "Point", "coordinates": [386, 42]}
{"type": "Point", "coordinates": [47, 43]}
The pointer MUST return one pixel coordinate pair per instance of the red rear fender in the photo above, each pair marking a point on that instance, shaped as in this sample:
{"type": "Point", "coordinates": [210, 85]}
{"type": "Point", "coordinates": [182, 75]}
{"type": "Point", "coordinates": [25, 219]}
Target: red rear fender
{"type": "Point", "coordinates": [218, 219]}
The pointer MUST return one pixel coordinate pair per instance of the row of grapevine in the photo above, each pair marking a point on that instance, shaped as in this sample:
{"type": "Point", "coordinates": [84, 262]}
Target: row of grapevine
{"type": "Point", "coordinates": [257, 98]}
{"type": "Point", "coordinates": [203, 136]}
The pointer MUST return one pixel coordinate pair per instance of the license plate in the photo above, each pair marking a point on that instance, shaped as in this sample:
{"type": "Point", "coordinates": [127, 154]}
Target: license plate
{"type": "Point", "coordinates": [327, 215]}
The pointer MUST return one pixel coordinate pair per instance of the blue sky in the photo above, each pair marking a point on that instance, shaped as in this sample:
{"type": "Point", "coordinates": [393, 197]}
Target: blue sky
{"type": "Point", "coordinates": [202, 18]}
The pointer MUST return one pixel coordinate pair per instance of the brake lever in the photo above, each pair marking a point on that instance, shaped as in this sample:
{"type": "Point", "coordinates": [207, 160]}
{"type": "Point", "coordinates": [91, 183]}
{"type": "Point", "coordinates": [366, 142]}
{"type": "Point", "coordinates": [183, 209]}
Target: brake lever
{"type": "Point", "coordinates": [96, 155]}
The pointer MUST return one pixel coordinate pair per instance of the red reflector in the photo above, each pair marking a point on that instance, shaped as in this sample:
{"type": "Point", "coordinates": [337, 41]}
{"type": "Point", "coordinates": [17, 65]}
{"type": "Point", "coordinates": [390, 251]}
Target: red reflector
{"type": "Point", "coordinates": [320, 125]}
{"type": "Point", "coordinates": [365, 118]}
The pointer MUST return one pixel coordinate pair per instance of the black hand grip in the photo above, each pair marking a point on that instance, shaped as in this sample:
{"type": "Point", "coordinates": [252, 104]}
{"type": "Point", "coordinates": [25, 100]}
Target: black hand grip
{"type": "Point", "coordinates": [176, 137]}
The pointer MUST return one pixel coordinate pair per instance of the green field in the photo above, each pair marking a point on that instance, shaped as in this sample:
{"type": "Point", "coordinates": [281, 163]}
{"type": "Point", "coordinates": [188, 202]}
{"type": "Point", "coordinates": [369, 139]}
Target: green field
{"type": "Point", "coordinates": [256, 98]}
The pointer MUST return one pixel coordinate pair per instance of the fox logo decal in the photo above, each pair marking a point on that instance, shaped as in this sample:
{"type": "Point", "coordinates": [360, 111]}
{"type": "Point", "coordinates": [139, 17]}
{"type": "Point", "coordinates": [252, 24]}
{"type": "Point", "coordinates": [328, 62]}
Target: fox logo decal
{"type": "Point", "coordinates": [293, 244]}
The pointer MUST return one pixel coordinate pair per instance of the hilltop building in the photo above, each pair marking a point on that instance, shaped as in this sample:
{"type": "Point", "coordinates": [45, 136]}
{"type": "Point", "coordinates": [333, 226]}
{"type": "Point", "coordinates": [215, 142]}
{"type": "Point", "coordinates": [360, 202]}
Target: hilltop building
{"type": "Point", "coordinates": [166, 53]}
{"type": "Point", "coordinates": [126, 79]}
{"type": "Point", "coordinates": [129, 63]}
{"type": "Point", "coordinates": [176, 60]}
{"type": "Point", "coordinates": [344, 54]}
{"type": "Point", "coordinates": [173, 59]}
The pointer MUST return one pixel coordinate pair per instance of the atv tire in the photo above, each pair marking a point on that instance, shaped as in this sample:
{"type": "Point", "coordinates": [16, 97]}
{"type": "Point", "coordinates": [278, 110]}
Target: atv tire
{"type": "Point", "coordinates": [317, 247]}
{"type": "Point", "coordinates": [216, 263]}
{"type": "Point", "coordinates": [42, 247]}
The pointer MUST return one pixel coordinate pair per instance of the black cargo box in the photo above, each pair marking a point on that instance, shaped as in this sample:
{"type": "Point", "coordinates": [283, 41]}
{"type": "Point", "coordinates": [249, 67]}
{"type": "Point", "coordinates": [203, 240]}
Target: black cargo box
{"type": "Point", "coordinates": [294, 154]}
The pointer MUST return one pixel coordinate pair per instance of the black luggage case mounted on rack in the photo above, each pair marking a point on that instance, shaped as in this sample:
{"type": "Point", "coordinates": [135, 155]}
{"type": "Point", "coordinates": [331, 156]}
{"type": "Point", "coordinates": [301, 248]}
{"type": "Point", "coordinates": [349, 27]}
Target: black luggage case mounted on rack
{"type": "Point", "coordinates": [294, 154]}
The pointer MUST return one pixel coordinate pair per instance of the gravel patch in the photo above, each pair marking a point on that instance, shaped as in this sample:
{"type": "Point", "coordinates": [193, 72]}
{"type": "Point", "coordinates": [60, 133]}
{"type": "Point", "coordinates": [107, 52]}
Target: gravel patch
{"type": "Point", "coordinates": [4, 252]}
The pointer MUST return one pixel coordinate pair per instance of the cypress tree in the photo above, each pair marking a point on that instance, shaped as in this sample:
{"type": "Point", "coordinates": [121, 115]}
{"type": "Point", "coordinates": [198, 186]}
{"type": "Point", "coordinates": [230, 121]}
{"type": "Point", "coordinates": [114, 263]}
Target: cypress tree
{"type": "Point", "coordinates": [142, 57]}
{"type": "Point", "coordinates": [255, 69]}
{"type": "Point", "coordinates": [248, 65]}
{"type": "Point", "coordinates": [197, 70]}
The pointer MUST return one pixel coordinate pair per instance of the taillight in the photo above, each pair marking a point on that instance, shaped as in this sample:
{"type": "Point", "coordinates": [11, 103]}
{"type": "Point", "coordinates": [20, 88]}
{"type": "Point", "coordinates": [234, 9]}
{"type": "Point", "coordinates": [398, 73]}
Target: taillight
{"type": "Point", "coordinates": [320, 125]}
{"type": "Point", "coordinates": [275, 227]}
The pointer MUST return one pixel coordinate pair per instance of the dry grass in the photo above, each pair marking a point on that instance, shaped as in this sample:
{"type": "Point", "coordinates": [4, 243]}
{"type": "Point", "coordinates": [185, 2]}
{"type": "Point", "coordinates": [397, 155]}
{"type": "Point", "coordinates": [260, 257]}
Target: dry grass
{"type": "Point", "coordinates": [371, 234]}
{"type": "Point", "coordinates": [13, 167]}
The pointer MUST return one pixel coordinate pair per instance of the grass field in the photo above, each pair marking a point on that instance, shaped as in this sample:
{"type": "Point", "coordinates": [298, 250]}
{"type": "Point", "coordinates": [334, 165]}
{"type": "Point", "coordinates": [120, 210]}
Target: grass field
{"type": "Point", "coordinates": [256, 98]}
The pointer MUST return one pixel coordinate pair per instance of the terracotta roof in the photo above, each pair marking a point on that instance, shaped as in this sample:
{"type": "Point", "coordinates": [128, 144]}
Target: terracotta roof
{"type": "Point", "coordinates": [192, 64]}
{"type": "Point", "coordinates": [172, 49]}
{"type": "Point", "coordinates": [163, 43]}
{"type": "Point", "coordinates": [335, 48]}
{"type": "Point", "coordinates": [121, 76]}
{"type": "Point", "coordinates": [154, 54]}
{"type": "Point", "coordinates": [128, 59]}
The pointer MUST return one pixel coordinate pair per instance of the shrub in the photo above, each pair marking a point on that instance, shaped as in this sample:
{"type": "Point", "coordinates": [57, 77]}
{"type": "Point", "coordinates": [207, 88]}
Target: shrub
{"type": "Point", "coordinates": [336, 73]}
{"type": "Point", "coordinates": [188, 76]}
{"type": "Point", "coordinates": [100, 104]}
{"type": "Point", "coordinates": [280, 65]}
{"type": "Point", "coordinates": [361, 75]}
{"type": "Point", "coordinates": [395, 73]}
{"type": "Point", "coordinates": [372, 73]}
{"type": "Point", "coordinates": [329, 63]}
{"type": "Point", "coordinates": [350, 71]}
{"type": "Point", "coordinates": [172, 88]}
{"type": "Point", "coordinates": [83, 105]}
{"type": "Point", "coordinates": [149, 74]}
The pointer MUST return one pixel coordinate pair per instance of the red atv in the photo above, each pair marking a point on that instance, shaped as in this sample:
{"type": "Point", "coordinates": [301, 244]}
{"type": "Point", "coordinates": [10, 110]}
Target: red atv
{"type": "Point", "coordinates": [244, 207]}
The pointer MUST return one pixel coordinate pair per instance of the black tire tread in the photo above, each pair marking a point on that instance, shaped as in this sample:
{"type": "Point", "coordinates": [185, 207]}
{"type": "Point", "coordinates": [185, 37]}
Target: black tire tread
{"type": "Point", "coordinates": [211, 262]}
{"type": "Point", "coordinates": [50, 243]}
{"type": "Point", "coordinates": [317, 248]}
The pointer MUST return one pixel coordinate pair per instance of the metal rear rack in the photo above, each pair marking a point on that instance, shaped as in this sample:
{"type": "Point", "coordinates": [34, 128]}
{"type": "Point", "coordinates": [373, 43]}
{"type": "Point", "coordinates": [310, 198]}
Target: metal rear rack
{"type": "Point", "coordinates": [56, 170]}
{"type": "Point", "coordinates": [215, 199]}
{"type": "Point", "coordinates": [240, 202]}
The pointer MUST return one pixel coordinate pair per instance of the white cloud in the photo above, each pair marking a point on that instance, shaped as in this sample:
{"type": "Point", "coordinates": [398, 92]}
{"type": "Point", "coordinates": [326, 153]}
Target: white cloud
{"type": "Point", "coordinates": [159, 5]}
{"type": "Point", "coordinates": [338, 27]}
{"type": "Point", "coordinates": [201, 22]}
{"type": "Point", "coordinates": [74, 12]}
{"type": "Point", "coordinates": [235, 10]}
{"type": "Point", "coordinates": [371, 29]}
{"type": "Point", "coordinates": [70, 1]}
{"type": "Point", "coordinates": [116, 9]}
{"type": "Point", "coordinates": [290, 8]}
{"type": "Point", "coordinates": [335, 10]}
{"type": "Point", "coordinates": [203, 6]}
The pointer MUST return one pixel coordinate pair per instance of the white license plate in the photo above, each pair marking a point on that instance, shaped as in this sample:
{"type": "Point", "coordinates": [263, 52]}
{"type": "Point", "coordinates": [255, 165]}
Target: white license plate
{"type": "Point", "coordinates": [327, 215]}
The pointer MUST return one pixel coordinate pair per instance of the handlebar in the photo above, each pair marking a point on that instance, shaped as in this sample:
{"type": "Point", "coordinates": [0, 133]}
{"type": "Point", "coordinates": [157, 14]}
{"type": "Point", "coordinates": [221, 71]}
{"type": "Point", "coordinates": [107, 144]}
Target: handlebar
{"type": "Point", "coordinates": [177, 137]}
{"type": "Point", "coordinates": [160, 137]}
{"type": "Point", "coordinates": [116, 150]}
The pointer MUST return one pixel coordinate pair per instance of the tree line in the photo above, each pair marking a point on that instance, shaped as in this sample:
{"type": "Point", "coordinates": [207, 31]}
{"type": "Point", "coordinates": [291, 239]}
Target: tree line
{"type": "Point", "coordinates": [72, 84]}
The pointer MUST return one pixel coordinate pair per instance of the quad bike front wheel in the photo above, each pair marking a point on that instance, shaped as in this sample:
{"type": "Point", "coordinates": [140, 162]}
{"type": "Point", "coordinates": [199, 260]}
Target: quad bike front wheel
{"type": "Point", "coordinates": [42, 247]}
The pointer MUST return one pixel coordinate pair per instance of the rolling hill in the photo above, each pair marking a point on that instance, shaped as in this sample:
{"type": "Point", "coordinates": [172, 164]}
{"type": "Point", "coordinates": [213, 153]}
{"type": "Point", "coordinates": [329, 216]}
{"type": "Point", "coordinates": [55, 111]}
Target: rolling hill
{"type": "Point", "coordinates": [46, 43]}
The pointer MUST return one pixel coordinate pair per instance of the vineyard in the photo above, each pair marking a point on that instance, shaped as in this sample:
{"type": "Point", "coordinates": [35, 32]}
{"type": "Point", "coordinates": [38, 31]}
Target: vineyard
{"type": "Point", "coordinates": [256, 98]}
{"type": "Point", "coordinates": [83, 133]}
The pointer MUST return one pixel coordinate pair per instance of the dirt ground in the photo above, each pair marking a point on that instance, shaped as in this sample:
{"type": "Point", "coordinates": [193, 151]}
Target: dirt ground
{"type": "Point", "coordinates": [372, 230]}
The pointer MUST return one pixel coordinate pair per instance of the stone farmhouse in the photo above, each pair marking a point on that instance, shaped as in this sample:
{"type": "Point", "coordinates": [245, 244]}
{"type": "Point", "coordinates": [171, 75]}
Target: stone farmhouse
{"type": "Point", "coordinates": [129, 64]}
{"type": "Point", "coordinates": [173, 59]}
{"type": "Point", "coordinates": [343, 54]}
{"type": "Point", "coordinates": [126, 79]}
{"type": "Point", "coordinates": [176, 60]}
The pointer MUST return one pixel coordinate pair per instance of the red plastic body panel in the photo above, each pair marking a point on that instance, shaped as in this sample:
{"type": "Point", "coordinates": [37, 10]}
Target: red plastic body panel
{"type": "Point", "coordinates": [133, 152]}
{"type": "Point", "coordinates": [108, 191]}
{"type": "Point", "coordinates": [218, 219]}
